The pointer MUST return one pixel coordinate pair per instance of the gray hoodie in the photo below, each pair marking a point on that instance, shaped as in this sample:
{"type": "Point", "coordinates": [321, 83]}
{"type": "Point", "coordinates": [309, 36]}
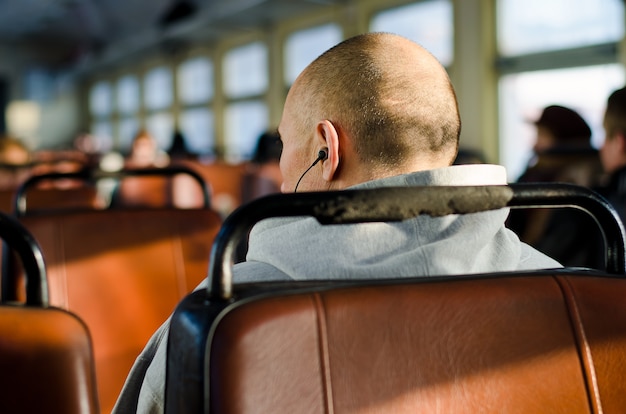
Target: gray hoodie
{"type": "Point", "coordinates": [301, 248]}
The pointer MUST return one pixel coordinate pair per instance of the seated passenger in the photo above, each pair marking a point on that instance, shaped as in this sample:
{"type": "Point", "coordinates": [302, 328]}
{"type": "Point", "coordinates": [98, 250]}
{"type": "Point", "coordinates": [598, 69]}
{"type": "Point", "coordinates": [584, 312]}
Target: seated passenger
{"type": "Point", "coordinates": [384, 112]}
{"type": "Point", "coordinates": [262, 176]}
{"type": "Point", "coordinates": [613, 151]}
{"type": "Point", "coordinates": [13, 151]}
{"type": "Point", "coordinates": [145, 152]}
{"type": "Point", "coordinates": [15, 162]}
{"type": "Point", "coordinates": [563, 153]}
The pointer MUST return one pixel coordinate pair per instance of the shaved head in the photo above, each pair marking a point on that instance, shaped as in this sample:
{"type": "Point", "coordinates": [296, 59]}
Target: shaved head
{"type": "Point", "coordinates": [388, 95]}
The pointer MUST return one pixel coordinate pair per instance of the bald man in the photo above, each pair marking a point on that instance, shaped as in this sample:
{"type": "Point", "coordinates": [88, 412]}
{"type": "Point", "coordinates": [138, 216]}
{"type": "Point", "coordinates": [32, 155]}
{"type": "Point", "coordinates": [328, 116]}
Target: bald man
{"type": "Point", "coordinates": [376, 110]}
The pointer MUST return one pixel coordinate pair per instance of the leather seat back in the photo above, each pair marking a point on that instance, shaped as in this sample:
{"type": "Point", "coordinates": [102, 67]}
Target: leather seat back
{"type": "Point", "coordinates": [545, 341]}
{"type": "Point", "coordinates": [46, 356]}
{"type": "Point", "coordinates": [46, 362]}
{"type": "Point", "coordinates": [123, 272]}
{"type": "Point", "coordinates": [510, 344]}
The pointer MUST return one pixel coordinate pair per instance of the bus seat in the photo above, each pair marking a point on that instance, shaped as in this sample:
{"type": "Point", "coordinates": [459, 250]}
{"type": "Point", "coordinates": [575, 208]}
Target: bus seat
{"type": "Point", "coordinates": [46, 356]}
{"type": "Point", "coordinates": [6, 200]}
{"type": "Point", "coordinates": [46, 360]}
{"type": "Point", "coordinates": [52, 191]}
{"type": "Point", "coordinates": [225, 181]}
{"type": "Point", "coordinates": [174, 186]}
{"type": "Point", "coordinates": [69, 198]}
{"type": "Point", "coordinates": [530, 342]}
{"type": "Point", "coordinates": [538, 343]}
{"type": "Point", "coordinates": [123, 272]}
{"type": "Point", "coordinates": [601, 313]}
{"type": "Point", "coordinates": [150, 192]}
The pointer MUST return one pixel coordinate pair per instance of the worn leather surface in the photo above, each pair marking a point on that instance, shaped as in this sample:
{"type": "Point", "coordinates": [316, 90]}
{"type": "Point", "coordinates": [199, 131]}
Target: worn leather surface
{"type": "Point", "coordinates": [123, 272]}
{"type": "Point", "coordinates": [548, 344]}
{"type": "Point", "coordinates": [599, 308]}
{"type": "Point", "coordinates": [46, 362]}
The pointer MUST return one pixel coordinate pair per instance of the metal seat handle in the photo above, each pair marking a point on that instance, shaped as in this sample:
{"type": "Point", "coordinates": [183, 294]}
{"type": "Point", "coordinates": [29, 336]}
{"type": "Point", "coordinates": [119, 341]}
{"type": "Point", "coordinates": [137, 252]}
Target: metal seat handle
{"type": "Point", "coordinates": [17, 238]}
{"type": "Point", "coordinates": [400, 203]}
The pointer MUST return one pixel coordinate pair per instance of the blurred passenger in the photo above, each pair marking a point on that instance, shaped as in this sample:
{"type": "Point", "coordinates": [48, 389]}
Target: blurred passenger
{"type": "Point", "coordinates": [13, 151]}
{"type": "Point", "coordinates": [91, 146]}
{"type": "Point", "coordinates": [262, 176]}
{"type": "Point", "coordinates": [145, 152]}
{"type": "Point", "coordinates": [15, 162]}
{"type": "Point", "coordinates": [178, 150]}
{"type": "Point", "coordinates": [563, 150]}
{"type": "Point", "coordinates": [562, 153]}
{"type": "Point", "coordinates": [613, 151]}
{"type": "Point", "coordinates": [144, 191]}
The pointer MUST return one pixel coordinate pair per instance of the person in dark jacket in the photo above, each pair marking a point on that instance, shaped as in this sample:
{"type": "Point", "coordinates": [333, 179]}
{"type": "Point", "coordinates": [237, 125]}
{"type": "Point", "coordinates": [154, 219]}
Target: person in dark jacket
{"type": "Point", "coordinates": [562, 153]}
{"type": "Point", "coordinates": [613, 151]}
{"type": "Point", "coordinates": [563, 150]}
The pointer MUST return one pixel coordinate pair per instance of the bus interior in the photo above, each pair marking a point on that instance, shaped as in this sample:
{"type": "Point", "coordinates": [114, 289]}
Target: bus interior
{"type": "Point", "coordinates": [103, 242]}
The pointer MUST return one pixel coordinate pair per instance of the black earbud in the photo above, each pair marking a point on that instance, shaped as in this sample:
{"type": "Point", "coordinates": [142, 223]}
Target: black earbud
{"type": "Point", "coordinates": [321, 156]}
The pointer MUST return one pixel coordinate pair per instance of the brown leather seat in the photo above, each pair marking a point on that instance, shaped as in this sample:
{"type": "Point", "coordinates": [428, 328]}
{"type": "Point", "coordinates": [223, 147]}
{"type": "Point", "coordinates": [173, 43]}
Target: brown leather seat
{"type": "Point", "coordinates": [46, 356]}
{"type": "Point", "coordinates": [83, 197]}
{"type": "Point", "coordinates": [225, 181]}
{"type": "Point", "coordinates": [179, 191]}
{"type": "Point", "coordinates": [123, 272]}
{"type": "Point", "coordinates": [6, 200]}
{"type": "Point", "coordinates": [46, 362]}
{"type": "Point", "coordinates": [547, 341]}
{"type": "Point", "coordinates": [87, 189]}
{"type": "Point", "coordinates": [600, 311]}
{"type": "Point", "coordinates": [536, 344]}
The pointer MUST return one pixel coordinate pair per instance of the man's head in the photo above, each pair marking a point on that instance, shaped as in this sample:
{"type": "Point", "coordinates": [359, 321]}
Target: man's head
{"type": "Point", "coordinates": [613, 151]}
{"type": "Point", "coordinates": [380, 104]}
{"type": "Point", "coordinates": [560, 126]}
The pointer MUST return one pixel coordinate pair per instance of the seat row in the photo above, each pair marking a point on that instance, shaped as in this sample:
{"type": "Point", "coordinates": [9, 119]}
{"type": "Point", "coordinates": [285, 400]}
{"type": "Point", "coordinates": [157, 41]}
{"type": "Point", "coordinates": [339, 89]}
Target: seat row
{"type": "Point", "coordinates": [540, 341]}
{"type": "Point", "coordinates": [120, 270]}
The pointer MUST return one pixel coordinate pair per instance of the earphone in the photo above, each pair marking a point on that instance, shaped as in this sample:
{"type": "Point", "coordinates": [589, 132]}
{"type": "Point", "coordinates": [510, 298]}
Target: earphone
{"type": "Point", "coordinates": [322, 155]}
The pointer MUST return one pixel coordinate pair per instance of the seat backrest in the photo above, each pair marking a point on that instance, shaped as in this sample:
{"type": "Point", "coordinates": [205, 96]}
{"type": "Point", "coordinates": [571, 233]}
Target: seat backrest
{"type": "Point", "coordinates": [87, 189]}
{"type": "Point", "coordinates": [225, 181]}
{"type": "Point", "coordinates": [123, 272]}
{"type": "Point", "coordinates": [6, 200]}
{"type": "Point", "coordinates": [175, 186]}
{"type": "Point", "coordinates": [533, 344]}
{"type": "Point", "coordinates": [82, 197]}
{"type": "Point", "coordinates": [46, 362]}
{"type": "Point", "coordinates": [540, 342]}
{"type": "Point", "coordinates": [46, 356]}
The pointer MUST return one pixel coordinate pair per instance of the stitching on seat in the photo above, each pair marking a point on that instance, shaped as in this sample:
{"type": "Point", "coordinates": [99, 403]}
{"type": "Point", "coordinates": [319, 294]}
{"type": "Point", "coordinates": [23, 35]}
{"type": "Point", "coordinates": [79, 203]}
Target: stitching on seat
{"type": "Point", "coordinates": [584, 350]}
{"type": "Point", "coordinates": [323, 351]}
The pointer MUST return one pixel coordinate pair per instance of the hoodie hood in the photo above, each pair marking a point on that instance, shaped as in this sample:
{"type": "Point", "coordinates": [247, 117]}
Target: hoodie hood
{"type": "Point", "coordinates": [302, 249]}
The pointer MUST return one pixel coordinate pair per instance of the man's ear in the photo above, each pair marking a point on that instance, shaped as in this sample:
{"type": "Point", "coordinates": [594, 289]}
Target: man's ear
{"type": "Point", "coordinates": [327, 137]}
